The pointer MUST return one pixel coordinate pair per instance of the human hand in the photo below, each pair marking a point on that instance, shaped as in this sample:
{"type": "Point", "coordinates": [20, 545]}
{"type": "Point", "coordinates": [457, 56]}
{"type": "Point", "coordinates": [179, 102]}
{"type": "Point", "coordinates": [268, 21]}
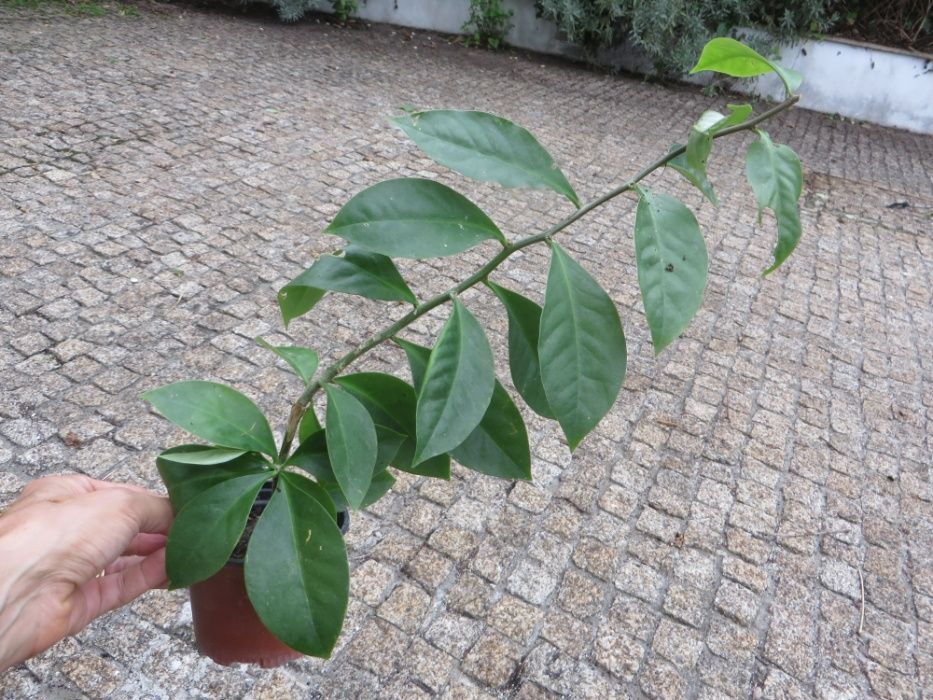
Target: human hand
{"type": "Point", "coordinates": [71, 549]}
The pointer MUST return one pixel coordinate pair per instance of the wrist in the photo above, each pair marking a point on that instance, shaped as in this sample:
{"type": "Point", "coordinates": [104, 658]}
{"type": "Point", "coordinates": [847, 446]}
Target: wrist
{"type": "Point", "coordinates": [17, 587]}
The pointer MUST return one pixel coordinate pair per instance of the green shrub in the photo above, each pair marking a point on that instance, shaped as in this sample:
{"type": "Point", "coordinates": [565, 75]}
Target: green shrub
{"type": "Point", "coordinates": [488, 23]}
{"type": "Point", "coordinates": [294, 10]}
{"type": "Point", "coordinates": [671, 32]}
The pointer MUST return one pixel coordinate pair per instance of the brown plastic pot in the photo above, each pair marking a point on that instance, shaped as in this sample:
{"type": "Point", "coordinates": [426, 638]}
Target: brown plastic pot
{"type": "Point", "coordinates": [226, 626]}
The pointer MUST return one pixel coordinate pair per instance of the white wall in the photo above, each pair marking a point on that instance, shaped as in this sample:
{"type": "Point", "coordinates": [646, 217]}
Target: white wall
{"type": "Point", "coordinates": [892, 88]}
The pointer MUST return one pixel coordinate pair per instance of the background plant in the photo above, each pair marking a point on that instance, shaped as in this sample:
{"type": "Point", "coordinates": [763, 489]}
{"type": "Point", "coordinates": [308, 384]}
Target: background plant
{"type": "Point", "coordinates": [671, 32]}
{"type": "Point", "coordinates": [294, 10]}
{"type": "Point", "coordinates": [567, 357]}
{"type": "Point", "coordinates": [488, 24]}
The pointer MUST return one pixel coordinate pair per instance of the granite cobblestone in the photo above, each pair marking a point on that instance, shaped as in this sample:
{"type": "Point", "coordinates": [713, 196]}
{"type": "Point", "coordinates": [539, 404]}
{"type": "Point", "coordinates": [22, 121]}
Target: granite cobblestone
{"type": "Point", "coordinates": [162, 175]}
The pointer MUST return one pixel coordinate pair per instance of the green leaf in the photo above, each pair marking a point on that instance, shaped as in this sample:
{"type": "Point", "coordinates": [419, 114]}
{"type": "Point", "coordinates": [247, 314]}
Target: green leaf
{"type": "Point", "coordinates": [382, 482]}
{"type": "Point", "coordinates": [418, 358]}
{"type": "Point", "coordinates": [498, 446]}
{"type": "Point", "coordinates": [215, 413]}
{"type": "Point", "coordinates": [207, 529]}
{"type": "Point", "coordinates": [692, 163]}
{"type": "Point", "coordinates": [737, 115]}
{"type": "Point", "coordinates": [309, 424]}
{"type": "Point", "coordinates": [698, 147]}
{"type": "Point", "coordinates": [697, 178]}
{"type": "Point", "coordinates": [204, 454]}
{"type": "Point", "coordinates": [389, 442]}
{"type": "Point", "coordinates": [316, 491]}
{"type": "Point", "coordinates": [351, 443]}
{"type": "Point", "coordinates": [297, 301]}
{"type": "Point", "coordinates": [303, 360]}
{"type": "Point", "coordinates": [524, 364]}
{"type": "Point", "coordinates": [357, 271]}
{"type": "Point", "coordinates": [581, 346]}
{"type": "Point", "coordinates": [731, 57]}
{"type": "Point", "coordinates": [775, 175]}
{"type": "Point", "coordinates": [391, 404]}
{"type": "Point", "coordinates": [436, 467]}
{"type": "Point", "coordinates": [485, 147]}
{"type": "Point", "coordinates": [389, 400]}
{"type": "Point", "coordinates": [457, 388]}
{"type": "Point", "coordinates": [297, 574]}
{"type": "Point", "coordinates": [313, 458]}
{"type": "Point", "coordinates": [186, 480]}
{"type": "Point", "coordinates": [413, 218]}
{"type": "Point", "coordinates": [672, 265]}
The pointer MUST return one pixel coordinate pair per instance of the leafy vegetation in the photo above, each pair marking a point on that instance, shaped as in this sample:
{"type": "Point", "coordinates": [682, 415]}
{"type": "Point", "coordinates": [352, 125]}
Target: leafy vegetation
{"type": "Point", "coordinates": [567, 355]}
{"type": "Point", "coordinates": [671, 32]}
{"type": "Point", "coordinates": [86, 8]}
{"type": "Point", "coordinates": [488, 24]}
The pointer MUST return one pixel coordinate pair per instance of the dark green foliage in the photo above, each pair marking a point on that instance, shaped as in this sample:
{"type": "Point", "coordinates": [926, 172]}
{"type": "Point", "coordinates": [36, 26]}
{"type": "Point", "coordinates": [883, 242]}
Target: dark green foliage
{"type": "Point", "coordinates": [671, 32]}
{"type": "Point", "coordinates": [488, 23]}
{"type": "Point", "coordinates": [568, 357]}
{"type": "Point", "coordinates": [294, 10]}
{"type": "Point", "coordinates": [904, 23]}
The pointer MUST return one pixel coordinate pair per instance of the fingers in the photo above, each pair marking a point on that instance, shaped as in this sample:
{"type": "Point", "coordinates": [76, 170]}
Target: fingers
{"type": "Point", "coordinates": [53, 488]}
{"type": "Point", "coordinates": [116, 589]}
{"type": "Point", "coordinates": [146, 512]}
{"type": "Point", "coordinates": [145, 543]}
{"type": "Point", "coordinates": [62, 487]}
{"type": "Point", "coordinates": [121, 563]}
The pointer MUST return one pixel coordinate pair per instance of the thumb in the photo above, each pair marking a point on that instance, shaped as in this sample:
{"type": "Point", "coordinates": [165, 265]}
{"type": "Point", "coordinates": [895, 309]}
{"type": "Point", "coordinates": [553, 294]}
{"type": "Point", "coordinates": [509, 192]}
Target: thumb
{"type": "Point", "coordinates": [114, 590]}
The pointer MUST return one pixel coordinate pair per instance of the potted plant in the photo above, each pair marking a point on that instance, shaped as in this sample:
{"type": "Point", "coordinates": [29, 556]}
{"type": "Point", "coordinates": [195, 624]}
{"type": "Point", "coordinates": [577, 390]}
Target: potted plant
{"type": "Point", "coordinates": [257, 534]}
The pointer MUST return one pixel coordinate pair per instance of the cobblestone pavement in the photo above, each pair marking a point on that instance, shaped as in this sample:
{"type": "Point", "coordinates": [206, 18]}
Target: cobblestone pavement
{"type": "Point", "coordinates": [162, 175]}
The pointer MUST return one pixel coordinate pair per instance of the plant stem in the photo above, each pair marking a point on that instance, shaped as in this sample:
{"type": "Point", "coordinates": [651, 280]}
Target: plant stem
{"type": "Point", "coordinates": [327, 374]}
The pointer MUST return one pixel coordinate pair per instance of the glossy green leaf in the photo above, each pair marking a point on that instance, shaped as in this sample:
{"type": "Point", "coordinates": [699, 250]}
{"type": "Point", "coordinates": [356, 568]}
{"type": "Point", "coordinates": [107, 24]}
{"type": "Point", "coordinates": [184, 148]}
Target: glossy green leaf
{"type": "Point", "coordinates": [437, 467]}
{"type": "Point", "coordinates": [389, 442]}
{"type": "Point", "coordinates": [380, 486]}
{"type": "Point", "coordinates": [692, 163]}
{"type": "Point", "coordinates": [381, 483]}
{"type": "Point", "coordinates": [695, 177]}
{"type": "Point", "coordinates": [391, 404]}
{"type": "Point", "coordinates": [524, 364]}
{"type": "Point", "coordinates": [312, 489]}
{"type": "Point", "coordinates": [731, 57]}
{"type": "Point", "coordinates": [216, 413]}
{"type": "Point", "coordinates": [389, 400]}
{"type": "Point", "coordinates": [309, 425]}
{"type": "Point", "coordinates": [714, 121]}
{"type": "Point", "coordinates": [498, 446]}
{"type": "Point", "coordinates": [297, 301]}
{"type": "Point", "coordinates": [204, 454]}
{"type": "Point", "coordinates": [775, 175]}
{"type": "Point", "coordinates": [457, 388]}
{"type": "Point", "coordinates": [206, 531]}
{"type": "Point", "coordinates": [187, 480]}
{"type": "Point", "coordinates": [296, 570]}
{"type": "Point", "coordinates": [351, 443]}
{"type": "Point", "coordinates": [672, 264]}
{"type": "Point", "coordinates": [358, 271]}
{"type": "Point", "coordinates": [413, 218]}
{"type": "Point", "coordinates": [581, 346]}
{"type": "Point", "coordinates": [485, 147]}
{"type": "Point", "coordinates": [698, 147]}
{"type": "Point", "coordinates": [303, 360]}
{"type": "Point", "coordinates": [418, 358]}
{"type": "Point", "coordinates": [312, 457]}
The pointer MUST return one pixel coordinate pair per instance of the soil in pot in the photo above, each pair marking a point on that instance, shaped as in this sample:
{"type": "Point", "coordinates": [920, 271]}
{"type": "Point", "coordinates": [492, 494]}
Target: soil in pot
{"type": "Point", "coordinates": [226, 627]}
